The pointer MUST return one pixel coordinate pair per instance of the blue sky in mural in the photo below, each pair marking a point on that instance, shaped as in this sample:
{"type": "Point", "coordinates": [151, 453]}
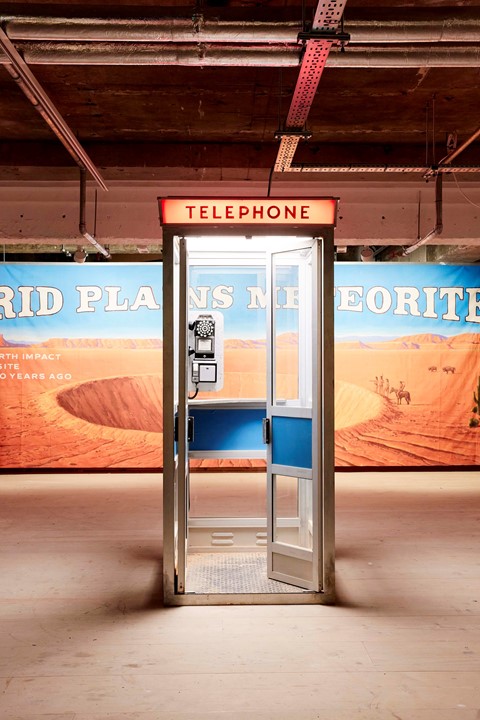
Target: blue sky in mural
{"type": "Point", "coordinates": [91, 280]}
{"type": "Point", "coordinates": [372, 301]}
{"type": "Point", "coordinates": [408, 300]}
{"type": "Point", "coordinates": [236, 291]}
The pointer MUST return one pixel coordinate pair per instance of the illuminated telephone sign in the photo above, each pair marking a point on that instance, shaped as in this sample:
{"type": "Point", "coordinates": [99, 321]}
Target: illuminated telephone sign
{"type": "Point", "coordinates": [251, 211]}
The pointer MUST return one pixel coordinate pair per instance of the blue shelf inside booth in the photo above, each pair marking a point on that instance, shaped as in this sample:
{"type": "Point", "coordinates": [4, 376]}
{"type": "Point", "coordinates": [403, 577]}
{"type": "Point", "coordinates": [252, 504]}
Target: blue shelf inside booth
{"type": "Point", "coordinates": [235, 429]}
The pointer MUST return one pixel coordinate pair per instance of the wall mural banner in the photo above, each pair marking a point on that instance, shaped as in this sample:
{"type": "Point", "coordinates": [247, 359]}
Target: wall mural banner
{"type": "Point", "coordinates": [81, 366]}
{"type": "Point", "coordinates": [81, 361]}
{"type": "Point", "coordinates": [407, 364]}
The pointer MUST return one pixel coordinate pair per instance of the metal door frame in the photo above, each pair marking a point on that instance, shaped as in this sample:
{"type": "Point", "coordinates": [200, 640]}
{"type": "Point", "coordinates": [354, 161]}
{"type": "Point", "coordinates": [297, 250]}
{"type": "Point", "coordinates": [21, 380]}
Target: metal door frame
{"type": "Point", "coordinates": [324, 399]}
{"type": "Point", "coordinates": [274, 547]}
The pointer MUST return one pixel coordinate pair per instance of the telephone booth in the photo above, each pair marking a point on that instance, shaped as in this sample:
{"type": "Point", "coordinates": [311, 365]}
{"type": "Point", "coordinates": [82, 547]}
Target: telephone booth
{"type": "Point", "coordinates": [248, 504]}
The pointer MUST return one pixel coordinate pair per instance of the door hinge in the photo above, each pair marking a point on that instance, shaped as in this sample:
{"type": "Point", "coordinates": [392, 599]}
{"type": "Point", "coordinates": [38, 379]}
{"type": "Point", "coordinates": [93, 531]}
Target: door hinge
{"type": "Point", "coordinates": [266, 431]}
{"type": "Point", "coordinates": [190, 428]}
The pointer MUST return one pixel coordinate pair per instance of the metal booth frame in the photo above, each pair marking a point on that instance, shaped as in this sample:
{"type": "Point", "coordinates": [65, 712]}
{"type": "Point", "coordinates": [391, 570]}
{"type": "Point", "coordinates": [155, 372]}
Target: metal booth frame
{"type": "Point", "coordinates": [177, 227]}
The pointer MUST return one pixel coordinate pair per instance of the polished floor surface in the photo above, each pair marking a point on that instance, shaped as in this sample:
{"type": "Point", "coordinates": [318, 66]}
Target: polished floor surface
{"type": "Point", "coordinates": [84, 636]}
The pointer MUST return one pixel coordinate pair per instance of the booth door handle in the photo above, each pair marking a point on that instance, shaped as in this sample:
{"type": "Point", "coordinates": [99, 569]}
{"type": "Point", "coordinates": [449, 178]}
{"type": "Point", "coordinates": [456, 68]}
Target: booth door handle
{"type": "Point", "coordinates": [266, 431]}
{"type": "Point", "coordinates": [190, 428]}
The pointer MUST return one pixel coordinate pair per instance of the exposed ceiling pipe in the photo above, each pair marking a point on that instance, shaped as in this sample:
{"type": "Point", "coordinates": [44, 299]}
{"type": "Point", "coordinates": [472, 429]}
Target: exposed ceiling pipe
{"type": "Point", "coordinates": [267, 55]}
{"type": "Point", "coordinates": [402, 56]}
{"type": "Point", "coordinates": [148, 30]}
{"type": "Point", "coordinates": [455, 153]}
{"type": "Point", "coordinates": [199, 54]}
{"type": "Point", "coordinates": [438, 229]}
{"type": "Point", "coordinates": [30, 86]}
{"type": "Point", "coordinates": [448, 29]}
{"type": "Point", "coordinates": [82, 225]}
{"type": "Point", "coordinates": [444, 164]}
{"type": "Point", "coordinates": [414, 31]}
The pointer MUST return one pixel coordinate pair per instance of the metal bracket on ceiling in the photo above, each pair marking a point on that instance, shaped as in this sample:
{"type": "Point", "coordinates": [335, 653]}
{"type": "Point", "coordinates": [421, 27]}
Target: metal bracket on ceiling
{"type": "Point", "coordinates": [444, 163]}
{"type": "Point", "coordinates": [336, 38]}
{"type": "Point", "coordinates": [82, 225]}
{"type": "Point", "coordinates": [293, 132]}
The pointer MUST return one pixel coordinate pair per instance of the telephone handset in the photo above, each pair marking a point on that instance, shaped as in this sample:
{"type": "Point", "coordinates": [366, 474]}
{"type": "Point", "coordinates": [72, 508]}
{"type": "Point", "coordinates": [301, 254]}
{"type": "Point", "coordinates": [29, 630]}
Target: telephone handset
{"type": "Point", "coordinates": [205, 351]}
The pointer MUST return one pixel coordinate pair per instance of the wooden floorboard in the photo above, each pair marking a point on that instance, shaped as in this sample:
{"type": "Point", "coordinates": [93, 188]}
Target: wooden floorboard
{"type": "Point", "coordinates": [84, 636]}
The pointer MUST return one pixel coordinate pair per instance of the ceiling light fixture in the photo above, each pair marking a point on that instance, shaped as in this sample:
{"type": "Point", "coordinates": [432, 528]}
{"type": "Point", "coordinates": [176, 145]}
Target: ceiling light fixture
{"type": "Point", "coordinates": [367, 254]}
{"type": "Point", "coordinates": [80, 255]}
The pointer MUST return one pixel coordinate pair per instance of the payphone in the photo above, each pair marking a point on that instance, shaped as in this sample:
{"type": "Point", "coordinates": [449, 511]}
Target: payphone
{"type": "Point", "coordinates": [205, 352]}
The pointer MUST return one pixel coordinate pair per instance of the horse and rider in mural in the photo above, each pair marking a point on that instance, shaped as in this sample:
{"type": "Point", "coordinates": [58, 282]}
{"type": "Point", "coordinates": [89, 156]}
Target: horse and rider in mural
{"type": "Point", "coordinates": [382, 387]}
{"type": "Point", "coordinates": [401, 393]}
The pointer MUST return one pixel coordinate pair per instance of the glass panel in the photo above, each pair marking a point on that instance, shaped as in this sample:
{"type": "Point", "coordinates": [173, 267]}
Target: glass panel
{"type": "Point", "coordinates": [292, 328]}
{"type": "Point", "coordinates": [176, 319]}
{"type": "Point", "coordinates": [238, 292]}
{"type": "Point", "coordinates": [292, 508]}
{"type": "Point", "coordinates": [227, 494]}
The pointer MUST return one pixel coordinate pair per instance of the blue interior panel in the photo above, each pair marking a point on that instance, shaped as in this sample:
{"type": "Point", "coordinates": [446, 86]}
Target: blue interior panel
{"type": "Point", "coordinates": [292, 441]}
{"type": "Point", "coordinates": [217, 430]}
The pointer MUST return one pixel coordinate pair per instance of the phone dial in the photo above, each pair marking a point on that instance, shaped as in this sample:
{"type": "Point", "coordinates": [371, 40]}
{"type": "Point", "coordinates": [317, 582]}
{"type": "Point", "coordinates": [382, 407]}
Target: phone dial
{"type": "Point", "coordinates": [205, 352]}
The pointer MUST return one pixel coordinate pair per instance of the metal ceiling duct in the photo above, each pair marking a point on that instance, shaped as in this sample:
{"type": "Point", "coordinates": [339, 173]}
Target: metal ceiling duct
{"type": "Point", "coordinates": [160, 30]}
{"type": "Point", "coordinates": [402, 56]}
{"type": "Point", "coordinates": [448, 29]}
{"type": "Point", "coordinates": [448, 42]}
{"type": "Point", "coordinates": [199, 54]}
{"type": "Point", "coordinates": [269, 55]}
{"type": "Point", "coordinates": [223, 55]}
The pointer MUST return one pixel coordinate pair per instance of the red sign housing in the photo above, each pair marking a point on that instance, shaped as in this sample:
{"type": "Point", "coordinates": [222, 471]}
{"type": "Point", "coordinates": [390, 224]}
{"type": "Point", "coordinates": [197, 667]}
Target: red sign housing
{"type": "Point", "coordinates": [248, 211]}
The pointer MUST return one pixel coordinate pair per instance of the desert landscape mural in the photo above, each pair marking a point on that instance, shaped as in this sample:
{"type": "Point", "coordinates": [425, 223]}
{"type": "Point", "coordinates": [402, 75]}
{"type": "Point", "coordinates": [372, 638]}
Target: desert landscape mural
{"type": "Point", "coordinates": [105, 408]}
{"type": "Point", "coordinates": [104, 411]}
{"type": "Point", "coordinates": [81, 364]}
{"type": "Point", "coordinates": [439, 373]}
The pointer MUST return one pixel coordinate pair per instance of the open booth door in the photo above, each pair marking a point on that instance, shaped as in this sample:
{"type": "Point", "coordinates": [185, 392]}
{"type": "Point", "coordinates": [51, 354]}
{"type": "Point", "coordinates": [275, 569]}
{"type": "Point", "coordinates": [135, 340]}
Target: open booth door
{"type": "Point", "coordinates": [294, 520]}
{"type": "Point", "coordinates": [175, 432]}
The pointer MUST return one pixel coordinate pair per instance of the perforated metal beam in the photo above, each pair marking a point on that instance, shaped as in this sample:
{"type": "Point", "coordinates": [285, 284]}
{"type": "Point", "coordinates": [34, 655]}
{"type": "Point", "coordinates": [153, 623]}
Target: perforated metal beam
{"type": "Point", "coordinates": [327, 18]}
{"type": "Point", "coordinates": [428, 171]}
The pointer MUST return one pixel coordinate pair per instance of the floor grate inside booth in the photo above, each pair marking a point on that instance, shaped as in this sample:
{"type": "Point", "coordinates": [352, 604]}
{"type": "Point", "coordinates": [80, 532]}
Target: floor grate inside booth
{"type": "Point", "coordinates": [232, 573]}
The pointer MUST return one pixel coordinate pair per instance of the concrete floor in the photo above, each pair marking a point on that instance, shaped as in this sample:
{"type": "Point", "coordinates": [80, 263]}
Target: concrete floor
{"type": "Point", "coordinates": [83, 635]}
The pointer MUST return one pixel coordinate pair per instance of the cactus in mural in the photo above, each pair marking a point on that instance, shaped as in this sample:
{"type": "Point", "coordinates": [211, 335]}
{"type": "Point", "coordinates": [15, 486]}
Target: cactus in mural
{"type": "Point", "coordinates": [474, 420]}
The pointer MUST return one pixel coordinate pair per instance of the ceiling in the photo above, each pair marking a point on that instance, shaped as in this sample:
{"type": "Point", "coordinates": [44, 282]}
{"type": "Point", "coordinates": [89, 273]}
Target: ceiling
{"type": "Point", "coordinates": [141, 102]}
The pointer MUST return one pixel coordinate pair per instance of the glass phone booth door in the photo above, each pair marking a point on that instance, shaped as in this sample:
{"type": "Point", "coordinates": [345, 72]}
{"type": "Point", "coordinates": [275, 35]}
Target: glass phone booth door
{"type": "Point", "coordinates": [293, 463]}
{"type": "Point", "coordinates": [284, 553]}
